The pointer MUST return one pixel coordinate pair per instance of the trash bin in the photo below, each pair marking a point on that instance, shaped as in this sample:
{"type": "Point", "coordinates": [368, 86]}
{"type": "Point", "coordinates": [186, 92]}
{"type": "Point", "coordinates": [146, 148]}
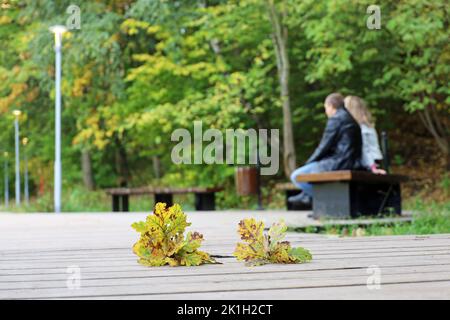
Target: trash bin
{"type": "Point", "coordinates": [246, 181]}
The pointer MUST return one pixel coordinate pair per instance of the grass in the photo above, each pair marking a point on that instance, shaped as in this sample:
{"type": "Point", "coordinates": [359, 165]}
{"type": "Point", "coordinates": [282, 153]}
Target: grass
{"type": "Point", "coordinates": [78, 199]}
{"type": "Point", "coordinates": [428, 218]}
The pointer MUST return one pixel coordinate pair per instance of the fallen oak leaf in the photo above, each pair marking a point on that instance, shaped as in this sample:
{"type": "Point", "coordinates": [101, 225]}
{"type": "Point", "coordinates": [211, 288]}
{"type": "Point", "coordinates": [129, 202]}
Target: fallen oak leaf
{"type": "Point", "coordinates": [162, 240]}
{"type": "Point", "coordinates": [259, 249]}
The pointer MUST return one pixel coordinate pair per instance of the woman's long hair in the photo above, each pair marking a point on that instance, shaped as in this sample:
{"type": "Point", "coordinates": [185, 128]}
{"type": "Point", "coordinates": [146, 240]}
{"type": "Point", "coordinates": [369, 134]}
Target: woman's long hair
{"type": "Point", "coordinates": [358, 109]}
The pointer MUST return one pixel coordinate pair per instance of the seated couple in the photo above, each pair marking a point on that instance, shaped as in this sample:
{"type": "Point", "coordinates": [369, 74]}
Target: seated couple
{"type": "Point", "coordinates": [350, 142]}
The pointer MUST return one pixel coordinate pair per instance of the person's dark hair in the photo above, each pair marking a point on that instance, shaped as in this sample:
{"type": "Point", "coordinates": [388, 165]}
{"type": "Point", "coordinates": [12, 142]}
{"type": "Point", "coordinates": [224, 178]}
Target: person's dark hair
{"type": "Point", "coordinates": [336, 100]}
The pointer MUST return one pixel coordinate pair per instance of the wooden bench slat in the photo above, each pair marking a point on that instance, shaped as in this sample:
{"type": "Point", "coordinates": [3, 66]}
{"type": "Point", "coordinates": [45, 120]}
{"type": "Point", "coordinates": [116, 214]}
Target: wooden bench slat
{"type": "Point", "coordinates": [160, 190]}
{"type": "Point", "coordinates": [347, 175]}
{"type": "Point", "coordinates": [283, 186]}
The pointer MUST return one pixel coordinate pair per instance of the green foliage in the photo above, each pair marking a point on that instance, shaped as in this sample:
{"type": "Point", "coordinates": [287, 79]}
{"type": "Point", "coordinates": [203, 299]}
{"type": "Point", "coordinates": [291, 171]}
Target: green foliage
{"type": "Point", "coordinates": [75, 199]}
{"type": "Point", "coordinates": [137, 70]}
{"type": "Point", "coordinates": [259, 248]}
{"type": "Point", "coordinates": [445, 184]}
{"type": "Point", "coordinates": [162, 240]}
{"type": "Point", "coordinates": [398, 160]}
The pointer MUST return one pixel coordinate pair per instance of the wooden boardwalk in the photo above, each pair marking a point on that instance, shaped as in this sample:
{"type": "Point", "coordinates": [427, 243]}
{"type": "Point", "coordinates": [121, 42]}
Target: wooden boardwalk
{"type": "Point", "coordinates": [40, 252]}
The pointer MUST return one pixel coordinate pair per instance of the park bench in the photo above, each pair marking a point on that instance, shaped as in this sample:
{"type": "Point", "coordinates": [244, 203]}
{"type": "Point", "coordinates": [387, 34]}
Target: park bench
{"type": "Point", "coordinates": [344, 194]}
{"type": "Point", "coordinates": [204, 197]}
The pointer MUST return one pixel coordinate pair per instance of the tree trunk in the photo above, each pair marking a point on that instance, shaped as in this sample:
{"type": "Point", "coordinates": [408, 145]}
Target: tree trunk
{"type": "Point", "coordinates": [86, 167]}
{"type": "Point", "coordinates": [122, 169]}
{"type": "Point", "coordinates": [280, 41]}
{"type": "Point", "coordinates": [436, 125]}
{"type": "Point", "coordinates": [157, 167]}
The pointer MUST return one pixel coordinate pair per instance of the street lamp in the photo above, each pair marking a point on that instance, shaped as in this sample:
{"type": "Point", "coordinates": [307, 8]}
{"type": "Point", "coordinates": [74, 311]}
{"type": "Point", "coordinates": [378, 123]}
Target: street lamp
{"type": "Point", "coordinates": [25, 158]}
{"type": "Point", "coordinates": [5, 154]}
{"type": "Point", "coordinates": [17, 114]}
{"type": "Point", "coordinates": [58, 30]}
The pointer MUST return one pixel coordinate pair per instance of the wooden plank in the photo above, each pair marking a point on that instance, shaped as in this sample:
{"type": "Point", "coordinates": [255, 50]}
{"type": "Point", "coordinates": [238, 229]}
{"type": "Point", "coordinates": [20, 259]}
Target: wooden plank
{"type": "Point", "coordinates": [231, 235]}
{"type": "Point", "coordinates": [126, 253]}
{"type": "Point", "coordinates": [57, 278]}
{"type": "Point", "coordinates": [353, 222]}
{"type": "Point", "coordinates": [347, 175]}
{"type": "Point", "coordinates": [283, 186]}
{"type": "Point", "coordinates": [34, 266]}
{"type": "Point", "coordinates": [410, 291]}
{"type": "Point", "coordinates": [217, 285]}
{"type": "Point", "coordinates": [61, 275]}
{"type": "Point", "coordinates": [127, 239]}
{"type": "Point", "coordinates": [101, 280]}
{"type": "Point", "coordinates": [231, 265]}
{"type": "Point", "coordinates": [160, 190]}
{"type": "Point", "coordinates": [130, 260]}
{"type": "Point", "coordinates": [226, 248]}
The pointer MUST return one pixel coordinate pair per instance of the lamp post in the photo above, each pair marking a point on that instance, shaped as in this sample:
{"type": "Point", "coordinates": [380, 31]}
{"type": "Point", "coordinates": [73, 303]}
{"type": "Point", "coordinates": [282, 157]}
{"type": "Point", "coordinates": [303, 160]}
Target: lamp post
{"type": "Point", "coordinates": [17, 114]}
{"type": "Point", "coordinates": [58, 30]}
{"type": "Point", "coordinates": [25, 159]}
{"type": "Point", "coordinates": [5, 154]}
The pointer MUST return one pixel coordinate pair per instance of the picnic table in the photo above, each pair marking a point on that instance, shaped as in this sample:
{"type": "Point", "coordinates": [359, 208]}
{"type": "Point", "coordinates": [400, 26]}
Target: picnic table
{"type": "Point", "coordinates": [204, 197]}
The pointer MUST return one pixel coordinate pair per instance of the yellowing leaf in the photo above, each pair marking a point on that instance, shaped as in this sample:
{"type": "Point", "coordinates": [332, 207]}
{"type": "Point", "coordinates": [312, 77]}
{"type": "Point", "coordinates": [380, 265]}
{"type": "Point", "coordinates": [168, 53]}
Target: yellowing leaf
{"type": "Point", "coordinates": [259, 249]}
{"type": "Point", "coordinates": [162, 240]}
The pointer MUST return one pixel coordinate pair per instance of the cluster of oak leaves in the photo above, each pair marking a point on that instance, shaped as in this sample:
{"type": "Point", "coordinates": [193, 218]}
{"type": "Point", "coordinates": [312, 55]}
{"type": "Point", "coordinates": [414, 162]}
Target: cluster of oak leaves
{"type": "Point", "coordinates": [162, 242]}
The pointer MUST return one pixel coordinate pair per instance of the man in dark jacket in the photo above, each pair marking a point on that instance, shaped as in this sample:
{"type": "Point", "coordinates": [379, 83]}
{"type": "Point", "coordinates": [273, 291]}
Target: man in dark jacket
{"type": "Point", "coordinates": [339, 149]}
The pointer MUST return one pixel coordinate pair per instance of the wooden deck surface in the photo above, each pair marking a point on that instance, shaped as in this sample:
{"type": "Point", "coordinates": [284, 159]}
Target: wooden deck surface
{"type": "Point", "coordinates": [38, 250]}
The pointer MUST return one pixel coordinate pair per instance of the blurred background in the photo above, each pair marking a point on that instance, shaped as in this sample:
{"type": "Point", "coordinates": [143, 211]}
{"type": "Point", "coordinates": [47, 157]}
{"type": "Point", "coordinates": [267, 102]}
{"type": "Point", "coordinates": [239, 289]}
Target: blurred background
{"type": "Point", "coordinates": [134, 71]}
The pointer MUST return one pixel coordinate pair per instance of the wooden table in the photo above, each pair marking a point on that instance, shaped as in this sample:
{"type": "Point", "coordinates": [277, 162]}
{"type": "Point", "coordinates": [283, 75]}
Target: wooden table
{"type": "Point", "coordinates": [41, 254]}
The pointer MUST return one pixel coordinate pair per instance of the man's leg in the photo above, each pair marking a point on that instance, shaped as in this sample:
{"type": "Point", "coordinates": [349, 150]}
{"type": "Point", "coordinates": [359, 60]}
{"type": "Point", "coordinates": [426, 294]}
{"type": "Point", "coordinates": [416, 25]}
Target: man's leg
{"type": "Point", "coordinates": [312, 167]}
{"type": "Point", "coordinates": [306, 196]}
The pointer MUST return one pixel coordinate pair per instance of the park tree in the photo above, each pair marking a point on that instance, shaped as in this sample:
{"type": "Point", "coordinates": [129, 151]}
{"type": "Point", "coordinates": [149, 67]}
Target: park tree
{"type": "Point", "coordinates": [277, 13]}
{"type": "Point", "coordinates": [137, 70]}
{"type": "Point", "coordinates": [419, 72]}
{"type": "Point", "coordinates": [405, 62]}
